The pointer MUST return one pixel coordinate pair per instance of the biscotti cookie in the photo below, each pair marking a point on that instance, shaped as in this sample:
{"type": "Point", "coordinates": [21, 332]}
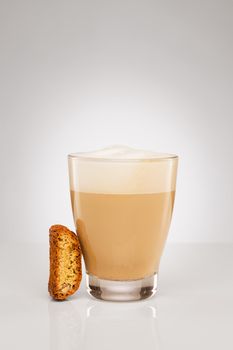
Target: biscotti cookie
{"type": "Point", "coordinates": [65, 262]}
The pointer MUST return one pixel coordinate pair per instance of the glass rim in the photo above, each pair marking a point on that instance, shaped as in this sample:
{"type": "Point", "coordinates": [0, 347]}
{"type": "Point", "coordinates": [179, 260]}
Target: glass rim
{"type": "Point", "coordinates": [158, 157]}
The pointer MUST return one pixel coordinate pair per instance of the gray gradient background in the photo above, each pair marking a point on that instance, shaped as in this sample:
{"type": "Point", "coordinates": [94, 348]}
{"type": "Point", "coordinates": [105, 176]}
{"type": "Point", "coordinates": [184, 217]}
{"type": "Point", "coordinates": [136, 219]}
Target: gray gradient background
{"type": "Point", "coordinates": [78, 75]}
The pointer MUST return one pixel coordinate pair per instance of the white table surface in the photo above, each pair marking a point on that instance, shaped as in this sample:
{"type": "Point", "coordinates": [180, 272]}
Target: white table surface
{"type": "Point", "coordinates": [193, 308]}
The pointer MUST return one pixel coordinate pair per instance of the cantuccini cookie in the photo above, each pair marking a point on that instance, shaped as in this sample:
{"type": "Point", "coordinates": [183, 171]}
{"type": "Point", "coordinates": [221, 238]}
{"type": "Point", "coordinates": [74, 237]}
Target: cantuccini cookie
{"type": "Point", "coordinates": [65, 262]}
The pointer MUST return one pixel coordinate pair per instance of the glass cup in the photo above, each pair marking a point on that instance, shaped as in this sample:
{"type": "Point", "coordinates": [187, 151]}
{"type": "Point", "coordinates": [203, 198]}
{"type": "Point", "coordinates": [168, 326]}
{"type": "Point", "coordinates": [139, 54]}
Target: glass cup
{"type": "Point", "coordinates": [122, 205]}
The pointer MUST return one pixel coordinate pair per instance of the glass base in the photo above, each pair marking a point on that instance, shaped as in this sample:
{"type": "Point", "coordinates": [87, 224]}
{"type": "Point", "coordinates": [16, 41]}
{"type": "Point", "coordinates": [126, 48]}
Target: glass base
{"type": "Point", "coordinates": [121, 290]}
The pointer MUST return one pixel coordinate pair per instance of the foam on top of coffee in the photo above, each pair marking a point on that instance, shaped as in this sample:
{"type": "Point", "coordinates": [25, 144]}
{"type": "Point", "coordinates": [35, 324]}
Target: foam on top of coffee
{"type": "Point", "coordinates": [119, 152]}
{"type": "Point", "coordinates": [122, 170]}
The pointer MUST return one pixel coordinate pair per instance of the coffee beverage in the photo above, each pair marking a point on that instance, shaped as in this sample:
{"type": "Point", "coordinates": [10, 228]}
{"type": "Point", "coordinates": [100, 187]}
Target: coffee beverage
{"type": "Point", "coordinates": [122, 235]}
{"type": "Point", "coordinates": [122, 201]}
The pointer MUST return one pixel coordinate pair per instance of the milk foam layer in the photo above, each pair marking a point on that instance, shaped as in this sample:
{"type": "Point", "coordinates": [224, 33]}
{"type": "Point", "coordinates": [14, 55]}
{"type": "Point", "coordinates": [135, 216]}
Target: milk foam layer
{"type": "Point", "coordinates": [122, 170]}
{"type": "Point", "coordinates": [122, 152]}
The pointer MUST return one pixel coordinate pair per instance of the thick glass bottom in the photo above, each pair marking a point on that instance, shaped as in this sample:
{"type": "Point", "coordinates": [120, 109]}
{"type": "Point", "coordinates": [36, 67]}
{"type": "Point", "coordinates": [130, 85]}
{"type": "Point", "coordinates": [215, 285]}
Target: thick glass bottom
{"type": "Point", "coordinates": [122, 290]}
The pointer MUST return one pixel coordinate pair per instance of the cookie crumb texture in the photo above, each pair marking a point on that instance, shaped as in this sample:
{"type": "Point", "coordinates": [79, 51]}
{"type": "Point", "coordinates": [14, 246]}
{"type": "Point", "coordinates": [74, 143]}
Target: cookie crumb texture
{"type": "Point", "coordinates": [65, 262]}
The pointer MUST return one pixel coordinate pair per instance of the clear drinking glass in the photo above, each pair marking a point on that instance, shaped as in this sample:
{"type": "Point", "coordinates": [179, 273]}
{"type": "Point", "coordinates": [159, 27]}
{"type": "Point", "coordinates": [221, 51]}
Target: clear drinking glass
{"type": "Point", "coordinates": [122, 202]}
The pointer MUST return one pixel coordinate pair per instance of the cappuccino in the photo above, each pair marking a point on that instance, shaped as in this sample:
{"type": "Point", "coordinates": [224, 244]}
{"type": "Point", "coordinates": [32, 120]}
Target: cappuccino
{"type": "Point", "coordinates": [122, 201]}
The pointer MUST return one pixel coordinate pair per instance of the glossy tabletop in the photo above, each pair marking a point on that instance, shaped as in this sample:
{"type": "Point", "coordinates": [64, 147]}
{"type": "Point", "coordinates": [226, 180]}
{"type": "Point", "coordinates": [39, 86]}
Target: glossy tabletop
{"type": "Point", "coordinates": [193, 308]}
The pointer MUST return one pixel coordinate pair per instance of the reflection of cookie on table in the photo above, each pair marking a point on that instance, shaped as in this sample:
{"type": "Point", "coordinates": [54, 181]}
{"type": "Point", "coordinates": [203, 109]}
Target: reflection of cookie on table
{"type": "Point", "coordinates": [65, 262]}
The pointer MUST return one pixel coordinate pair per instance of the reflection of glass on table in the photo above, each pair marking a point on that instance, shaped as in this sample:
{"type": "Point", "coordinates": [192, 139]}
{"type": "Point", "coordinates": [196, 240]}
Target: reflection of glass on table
{"type": "Point", "coordinates": [121, 326]}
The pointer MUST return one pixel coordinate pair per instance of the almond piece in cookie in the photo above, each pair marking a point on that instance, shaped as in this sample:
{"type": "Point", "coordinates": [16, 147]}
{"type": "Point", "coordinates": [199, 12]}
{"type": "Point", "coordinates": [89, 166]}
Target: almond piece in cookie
{"type": "Point", "coordinates": [65, 262]}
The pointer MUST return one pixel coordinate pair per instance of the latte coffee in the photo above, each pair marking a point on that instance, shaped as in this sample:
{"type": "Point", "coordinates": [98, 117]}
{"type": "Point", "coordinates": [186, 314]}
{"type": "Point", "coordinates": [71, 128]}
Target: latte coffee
{"type": "Point", "coordinates": [122, 202]}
